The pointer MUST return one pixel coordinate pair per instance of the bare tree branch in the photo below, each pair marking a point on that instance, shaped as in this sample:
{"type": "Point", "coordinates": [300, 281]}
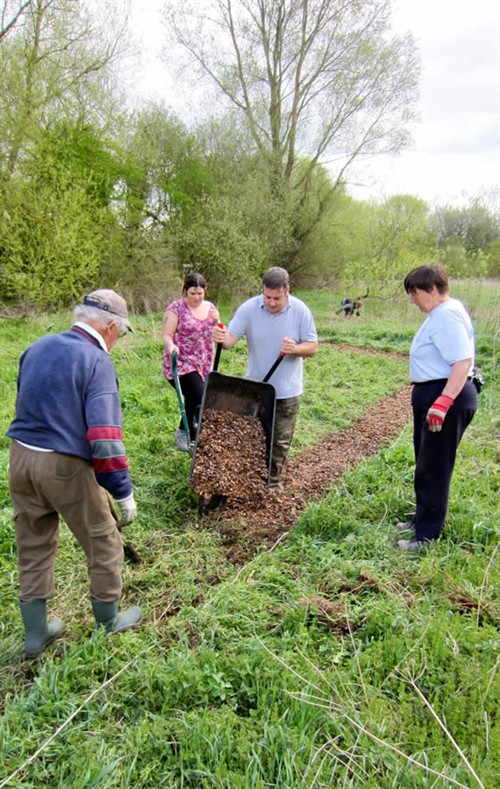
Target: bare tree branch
{"type": "Point", "coordinates": [9, 16]}
{"type": "Point", "coordinates": [309, 75]}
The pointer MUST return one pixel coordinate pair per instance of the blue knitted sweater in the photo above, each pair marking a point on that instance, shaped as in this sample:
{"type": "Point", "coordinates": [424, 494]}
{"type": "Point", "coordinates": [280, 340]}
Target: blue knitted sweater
{"type": "Point", "coordinates": [67, 401]}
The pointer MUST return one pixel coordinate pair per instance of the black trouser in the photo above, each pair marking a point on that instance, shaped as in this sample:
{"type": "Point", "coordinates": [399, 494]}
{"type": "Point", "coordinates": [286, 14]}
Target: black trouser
{"type": "Point", "coordinates": [435, 453]}
{"type": "Point", "coordinates": [192, 386]}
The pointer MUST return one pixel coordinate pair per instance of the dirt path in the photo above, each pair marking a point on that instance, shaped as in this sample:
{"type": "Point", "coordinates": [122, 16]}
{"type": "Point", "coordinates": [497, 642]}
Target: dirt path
{"type": "Point", "coordinates": [244, 527]}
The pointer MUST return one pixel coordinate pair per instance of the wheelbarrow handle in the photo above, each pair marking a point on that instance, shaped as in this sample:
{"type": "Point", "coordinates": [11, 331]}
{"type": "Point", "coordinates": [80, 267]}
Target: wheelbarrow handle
{"type": "Point", "coordinates": [218, 351]}
{"type": "Point", "coordinates": [217, 356]}
{"type": "Point", "coordinates": [273, 368]}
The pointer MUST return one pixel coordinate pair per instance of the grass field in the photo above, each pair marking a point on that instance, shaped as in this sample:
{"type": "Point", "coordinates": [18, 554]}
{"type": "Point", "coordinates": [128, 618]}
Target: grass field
{"type": "Point", "coordinates": [332, 660]}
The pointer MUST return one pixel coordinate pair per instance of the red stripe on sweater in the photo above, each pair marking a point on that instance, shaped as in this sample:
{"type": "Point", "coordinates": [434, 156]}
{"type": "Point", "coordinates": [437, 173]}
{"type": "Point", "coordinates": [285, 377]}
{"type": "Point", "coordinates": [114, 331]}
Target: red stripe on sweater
{"type": "Point", "coordinates": [103, 432]}
{"type": "Point", "coordinates": [104, 465]}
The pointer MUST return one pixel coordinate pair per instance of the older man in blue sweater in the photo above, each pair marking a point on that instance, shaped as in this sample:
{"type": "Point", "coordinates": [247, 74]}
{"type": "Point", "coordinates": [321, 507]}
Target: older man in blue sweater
{"type": "Point", "coordinates": [67, 457]}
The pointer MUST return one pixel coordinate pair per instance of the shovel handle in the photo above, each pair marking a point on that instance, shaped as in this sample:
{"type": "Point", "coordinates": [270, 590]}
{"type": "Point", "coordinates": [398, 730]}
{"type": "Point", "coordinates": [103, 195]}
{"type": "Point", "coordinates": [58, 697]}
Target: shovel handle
{"type": "Point", "coordinates": [179, 394]}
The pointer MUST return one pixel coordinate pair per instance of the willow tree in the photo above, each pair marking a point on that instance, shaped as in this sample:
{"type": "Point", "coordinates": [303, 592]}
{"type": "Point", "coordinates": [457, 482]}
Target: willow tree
{"type": "Point", "coordinates": [55, 57]}
{"type": "Point", "coordinates": [321, 79]}
{"type": "Point", "coordinates": [56, 170]}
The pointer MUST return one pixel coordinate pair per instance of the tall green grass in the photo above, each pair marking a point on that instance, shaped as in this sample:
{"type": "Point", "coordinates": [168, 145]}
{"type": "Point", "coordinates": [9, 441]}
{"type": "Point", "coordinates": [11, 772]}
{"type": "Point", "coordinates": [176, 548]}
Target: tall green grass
{"type": "Point", "coordinates": [333, 660]}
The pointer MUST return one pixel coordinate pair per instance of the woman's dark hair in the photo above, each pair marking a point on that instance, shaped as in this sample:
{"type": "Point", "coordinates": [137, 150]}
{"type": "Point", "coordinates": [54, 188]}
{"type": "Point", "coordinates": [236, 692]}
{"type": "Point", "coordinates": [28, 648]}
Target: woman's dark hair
{"type": "Point", "coordinates": [425, 277]}
{"type": "Point", "coordinates": [194, 280]}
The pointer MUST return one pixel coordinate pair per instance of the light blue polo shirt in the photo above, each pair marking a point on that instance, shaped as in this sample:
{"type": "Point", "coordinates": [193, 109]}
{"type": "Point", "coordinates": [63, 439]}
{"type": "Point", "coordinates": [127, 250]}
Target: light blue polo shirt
{"type": "Point", "coordinates": [264, 332]}
{"type": "Point", "coordinates": [445, 337]}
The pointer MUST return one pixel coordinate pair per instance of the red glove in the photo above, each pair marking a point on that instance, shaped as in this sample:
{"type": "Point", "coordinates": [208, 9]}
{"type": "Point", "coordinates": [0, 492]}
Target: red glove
{"type": "Point", "coordinates": [438, 411]}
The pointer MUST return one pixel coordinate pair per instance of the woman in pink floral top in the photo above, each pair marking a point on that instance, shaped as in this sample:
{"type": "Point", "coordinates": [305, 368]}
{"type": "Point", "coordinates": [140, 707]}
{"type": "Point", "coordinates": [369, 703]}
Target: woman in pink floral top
{"type": "Point", "coordinates": [187, 329]}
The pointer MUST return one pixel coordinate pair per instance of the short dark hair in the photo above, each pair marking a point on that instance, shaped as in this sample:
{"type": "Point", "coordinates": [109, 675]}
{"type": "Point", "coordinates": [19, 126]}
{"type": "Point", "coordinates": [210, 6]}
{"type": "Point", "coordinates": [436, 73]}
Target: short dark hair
{"type": "Point", "coordinates": [194, 280]}
{"type": "Point", "coordinates": [275, 278]}
{"type": "Point", "coordinates": [425, 277]}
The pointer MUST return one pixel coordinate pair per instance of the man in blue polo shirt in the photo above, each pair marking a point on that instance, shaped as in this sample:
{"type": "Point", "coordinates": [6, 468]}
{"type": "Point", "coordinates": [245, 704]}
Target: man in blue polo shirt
{"type": "Point", "coordinates": [275, 323]}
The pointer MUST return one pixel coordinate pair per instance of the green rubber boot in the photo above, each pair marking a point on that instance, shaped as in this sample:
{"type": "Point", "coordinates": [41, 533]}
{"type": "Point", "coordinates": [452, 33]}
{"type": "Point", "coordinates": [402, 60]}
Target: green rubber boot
{"type": "Point", "coordinates": [39, 633]}
{"type": "Point", "coordinates": [107, 616]}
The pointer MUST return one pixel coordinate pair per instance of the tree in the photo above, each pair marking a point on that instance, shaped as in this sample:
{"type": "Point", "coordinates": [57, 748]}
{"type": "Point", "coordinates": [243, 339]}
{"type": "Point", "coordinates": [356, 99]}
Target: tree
{"type": "Point", "coordinates": [54, 65]}
{"type": "Point", "coordinates": [220, 242]}
{"type": "Point", "coordinates": [342, 235]}
{"type": "Point", "coordinates": [57, 173]}
{"type": "Point", "coordinates": [372, 245]}
{"type": "Point", "coordinates": [168, 172]}
{"type": "Point", "coordinates": [466, 237]}
{"type": "Point", "coordinates": [10, 15]}
{"type": "Point", "coordinates": [164, 176]}
{"type": "Point", "coordinates": [56, 223]}
{"type": "Point", "coordinates": [312, 77]}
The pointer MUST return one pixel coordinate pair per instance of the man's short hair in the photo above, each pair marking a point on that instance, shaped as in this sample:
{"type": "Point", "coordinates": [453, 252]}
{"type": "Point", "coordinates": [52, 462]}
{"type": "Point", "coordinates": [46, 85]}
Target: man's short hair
{"type": "Point", "coordinates": [276, 278]}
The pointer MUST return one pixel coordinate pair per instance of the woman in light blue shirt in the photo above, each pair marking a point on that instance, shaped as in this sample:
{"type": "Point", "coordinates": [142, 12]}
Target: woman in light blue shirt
{"type": "Point", "coordinates": [444, 398]}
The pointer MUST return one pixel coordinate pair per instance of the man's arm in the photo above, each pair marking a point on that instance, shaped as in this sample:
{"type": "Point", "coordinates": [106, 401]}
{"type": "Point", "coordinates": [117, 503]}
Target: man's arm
{"type": "Point", "coordinates": [291, 348]}
{"type": "Point", "coordinates": [221, 334]}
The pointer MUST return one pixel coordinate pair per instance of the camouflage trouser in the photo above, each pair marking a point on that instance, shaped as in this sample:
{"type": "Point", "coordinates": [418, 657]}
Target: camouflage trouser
{"type": "Point", "coordinates": [284, 425]}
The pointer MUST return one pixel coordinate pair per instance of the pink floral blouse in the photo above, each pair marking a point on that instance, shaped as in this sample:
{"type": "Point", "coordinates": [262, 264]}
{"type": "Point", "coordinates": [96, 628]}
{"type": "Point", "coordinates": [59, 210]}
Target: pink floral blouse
{"type": "Point", "coordinates": [193, 338]}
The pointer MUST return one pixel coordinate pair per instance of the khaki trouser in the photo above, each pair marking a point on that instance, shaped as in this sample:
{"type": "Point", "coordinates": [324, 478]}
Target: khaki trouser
{"type": "Point", "coordinates": [44, 485]}
{"type": "Point", "coordinates": [284, 426]}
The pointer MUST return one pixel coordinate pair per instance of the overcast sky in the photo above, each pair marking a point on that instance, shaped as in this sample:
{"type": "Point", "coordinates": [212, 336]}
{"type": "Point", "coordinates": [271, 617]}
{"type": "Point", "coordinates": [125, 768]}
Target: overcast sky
{"type": "Point", "coordinates": [457, 142]}
{"type": "Point", "coordinates": [456, 150]}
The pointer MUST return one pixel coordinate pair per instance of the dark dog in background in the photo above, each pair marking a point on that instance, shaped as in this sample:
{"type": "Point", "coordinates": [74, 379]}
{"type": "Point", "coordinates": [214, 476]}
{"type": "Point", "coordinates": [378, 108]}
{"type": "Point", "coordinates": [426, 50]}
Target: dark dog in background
{"type": "Point", "coordinates": [350, 307]}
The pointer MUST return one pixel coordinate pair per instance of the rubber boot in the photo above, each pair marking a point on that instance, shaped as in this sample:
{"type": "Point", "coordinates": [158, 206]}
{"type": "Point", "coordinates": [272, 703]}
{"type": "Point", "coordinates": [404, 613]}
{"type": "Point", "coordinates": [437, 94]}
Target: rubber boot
{"type": "Point", "coordinates": [39, 633]}
{"type": "Point", "coordinates": [107, 616]}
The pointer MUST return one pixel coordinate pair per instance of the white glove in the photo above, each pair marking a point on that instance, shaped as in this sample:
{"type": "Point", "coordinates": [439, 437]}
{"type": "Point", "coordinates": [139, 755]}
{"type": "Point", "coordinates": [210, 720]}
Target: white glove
{"type": "Point", "coordinates": [128, 510]}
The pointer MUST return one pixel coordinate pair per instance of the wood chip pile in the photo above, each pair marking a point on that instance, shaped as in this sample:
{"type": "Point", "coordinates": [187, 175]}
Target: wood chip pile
{"type": "Point", "coordinates": [230, 456]}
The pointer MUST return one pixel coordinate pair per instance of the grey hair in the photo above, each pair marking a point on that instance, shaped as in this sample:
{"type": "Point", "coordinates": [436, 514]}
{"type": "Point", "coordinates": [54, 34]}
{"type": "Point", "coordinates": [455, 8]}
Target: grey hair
{"type": "Point", "coordinates": [94, 315]}
{"type": "Point", "coordinates": [276, 277]}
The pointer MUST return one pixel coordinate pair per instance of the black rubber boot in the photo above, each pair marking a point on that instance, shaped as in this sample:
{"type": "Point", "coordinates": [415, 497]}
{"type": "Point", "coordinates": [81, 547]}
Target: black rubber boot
{"type": "Point", "coordinates": [39, 633]}
{"type": "Point", "coordinates": [107, 616]}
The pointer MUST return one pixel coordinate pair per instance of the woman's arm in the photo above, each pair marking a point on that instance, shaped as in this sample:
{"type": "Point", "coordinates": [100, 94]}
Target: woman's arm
{"type": "Point", "coordinates": [213, 314]}
{"type": "Point", "coordinates": [457, 378]}
{"type": "Point", "coordinates": [170, 323]}
{"type": "Point", "coordinates": [454, 385]}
